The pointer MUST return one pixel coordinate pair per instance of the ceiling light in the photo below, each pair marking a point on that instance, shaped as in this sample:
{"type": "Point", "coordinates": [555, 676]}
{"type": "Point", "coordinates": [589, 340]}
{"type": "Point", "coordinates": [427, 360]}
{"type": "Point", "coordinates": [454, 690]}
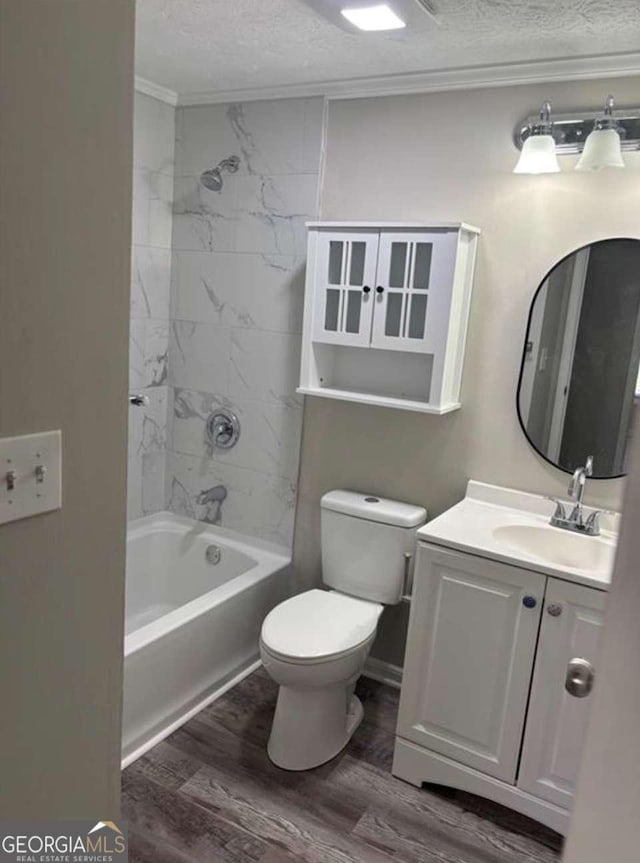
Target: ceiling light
{"type": "Point", "coordinates": [539, 149]}
{"type": "Point", "coordinates": [602, 148]}
{"type": "Point", "coordinates": [374, 18]}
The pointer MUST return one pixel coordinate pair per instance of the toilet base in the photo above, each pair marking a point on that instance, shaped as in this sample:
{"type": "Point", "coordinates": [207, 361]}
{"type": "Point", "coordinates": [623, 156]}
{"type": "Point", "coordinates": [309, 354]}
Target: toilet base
{"type": "Point", "coordinates": [311, 726]}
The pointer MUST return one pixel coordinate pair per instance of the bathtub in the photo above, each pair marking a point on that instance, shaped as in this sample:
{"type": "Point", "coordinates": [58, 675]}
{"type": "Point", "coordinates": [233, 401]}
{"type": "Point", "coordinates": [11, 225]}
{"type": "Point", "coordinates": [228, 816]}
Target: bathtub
{"type": "Point", "coordinates": [196, 596]}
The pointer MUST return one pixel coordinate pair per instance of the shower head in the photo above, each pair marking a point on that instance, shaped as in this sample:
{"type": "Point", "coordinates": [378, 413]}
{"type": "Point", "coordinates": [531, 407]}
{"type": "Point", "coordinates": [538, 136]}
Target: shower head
{"type": "Point", "coordinates": [212, 178]}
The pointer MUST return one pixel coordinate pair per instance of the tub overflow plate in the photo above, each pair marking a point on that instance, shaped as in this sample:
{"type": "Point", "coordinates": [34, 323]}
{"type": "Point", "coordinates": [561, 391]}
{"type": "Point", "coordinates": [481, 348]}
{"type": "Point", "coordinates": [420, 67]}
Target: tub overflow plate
{"type": "Point", "coordinates": [213, 554]}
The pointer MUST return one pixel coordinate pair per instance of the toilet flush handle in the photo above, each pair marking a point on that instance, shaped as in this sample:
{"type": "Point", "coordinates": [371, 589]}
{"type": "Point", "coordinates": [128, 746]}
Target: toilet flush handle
{"type": "Point", "coordinates": [406, 587]}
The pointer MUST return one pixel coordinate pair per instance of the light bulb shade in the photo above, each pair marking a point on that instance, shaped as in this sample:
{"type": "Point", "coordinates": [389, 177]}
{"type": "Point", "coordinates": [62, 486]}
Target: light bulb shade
{"type": "Point", "coordinates": [601, 150]}
{"type": "Point", "coordinates": [538, 156]}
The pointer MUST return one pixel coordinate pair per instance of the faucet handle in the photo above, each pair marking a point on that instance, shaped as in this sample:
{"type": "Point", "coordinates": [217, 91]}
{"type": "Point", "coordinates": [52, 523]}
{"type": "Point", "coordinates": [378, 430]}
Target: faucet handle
{"type": "Point", "coordinates": [561, 513]}
{"type": "Point", "coordinates": [588, 468]}
{"type": "Point", "coordinates": [593, 523]}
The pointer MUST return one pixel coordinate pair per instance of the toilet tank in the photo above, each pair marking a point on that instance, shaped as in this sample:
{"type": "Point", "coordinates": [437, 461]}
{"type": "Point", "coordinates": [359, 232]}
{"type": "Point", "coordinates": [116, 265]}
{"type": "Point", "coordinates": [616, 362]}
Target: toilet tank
{"type": "Point", "coordinates": [364, 542]}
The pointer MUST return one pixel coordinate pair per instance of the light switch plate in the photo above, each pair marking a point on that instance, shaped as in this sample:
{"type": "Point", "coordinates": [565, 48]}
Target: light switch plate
{"type": "Point", "coordinates": [30, 475]}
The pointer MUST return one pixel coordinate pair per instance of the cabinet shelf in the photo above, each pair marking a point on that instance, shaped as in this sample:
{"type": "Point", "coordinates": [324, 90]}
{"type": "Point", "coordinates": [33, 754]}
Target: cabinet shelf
{"type": "Point", "coordinates": [386, 313]}
{"type": "Point", "coordinates": [379, 401]}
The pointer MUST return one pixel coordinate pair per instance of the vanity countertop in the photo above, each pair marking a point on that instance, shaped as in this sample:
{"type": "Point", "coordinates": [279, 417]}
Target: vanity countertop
{"type": "Point", "coordinates": [513, 527]}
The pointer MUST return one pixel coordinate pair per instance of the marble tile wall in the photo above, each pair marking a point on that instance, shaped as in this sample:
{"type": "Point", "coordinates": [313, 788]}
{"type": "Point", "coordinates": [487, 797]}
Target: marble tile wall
{"type": "Point", "coordinates": [154, 139]}
{"type": "Point", "coordinates": [237, 288]}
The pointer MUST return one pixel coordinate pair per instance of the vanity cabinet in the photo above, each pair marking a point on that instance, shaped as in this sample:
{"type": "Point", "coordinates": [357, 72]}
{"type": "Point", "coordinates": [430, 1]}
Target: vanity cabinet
{"type": "Point", "coordinates": [484, 706]}
{"type": "Point", "coordinates": [386, 313]}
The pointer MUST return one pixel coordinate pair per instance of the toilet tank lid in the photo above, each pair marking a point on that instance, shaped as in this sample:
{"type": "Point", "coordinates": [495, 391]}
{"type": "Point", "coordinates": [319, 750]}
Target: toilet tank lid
{"type": "Point", "coordinates": [374, 508]}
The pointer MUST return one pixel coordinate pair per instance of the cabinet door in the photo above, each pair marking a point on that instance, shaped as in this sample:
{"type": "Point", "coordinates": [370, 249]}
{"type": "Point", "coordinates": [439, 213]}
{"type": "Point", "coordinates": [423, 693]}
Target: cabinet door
{"type": "Point", "coordinates": [470, 650]}
{"type": "Point", "coordinates": [557, 721]}
{"type": "Point", "coordinates": [344, 287]}
{"type": "Point", "coordinates": [413, 290]}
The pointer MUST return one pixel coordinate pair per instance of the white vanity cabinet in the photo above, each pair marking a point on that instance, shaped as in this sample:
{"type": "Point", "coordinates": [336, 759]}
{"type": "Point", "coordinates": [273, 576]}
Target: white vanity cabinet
{"type": "Point", "coordinates": [386, 313]}
{"type": "Point", "coordinates": [484, 706]}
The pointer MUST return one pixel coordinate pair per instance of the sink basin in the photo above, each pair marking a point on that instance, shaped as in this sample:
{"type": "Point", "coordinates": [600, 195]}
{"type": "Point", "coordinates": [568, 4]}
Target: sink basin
{"type": "Point", "coordinates": [559, 547]}
{"type": "Point", "coordinates": [513, 527]}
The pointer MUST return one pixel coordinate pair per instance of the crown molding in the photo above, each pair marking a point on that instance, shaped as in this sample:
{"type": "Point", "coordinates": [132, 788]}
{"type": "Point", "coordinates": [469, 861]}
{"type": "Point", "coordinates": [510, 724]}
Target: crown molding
{"type": "Point", "coordinates": [157, 91]}
{"type": "Point", "coordinates": [464, 78]}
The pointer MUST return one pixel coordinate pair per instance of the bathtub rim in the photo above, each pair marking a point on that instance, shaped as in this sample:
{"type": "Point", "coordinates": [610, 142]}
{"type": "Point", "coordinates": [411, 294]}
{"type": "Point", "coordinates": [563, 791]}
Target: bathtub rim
{"type": "Point", "coordinates": [269, 558]}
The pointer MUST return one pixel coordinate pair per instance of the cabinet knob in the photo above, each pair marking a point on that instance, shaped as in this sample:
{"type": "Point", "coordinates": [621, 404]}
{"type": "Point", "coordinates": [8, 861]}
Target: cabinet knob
{"type": "Point", "coordinates": [529, 602]}
{"type": "Point", "coordinates": [380, 289]}
{"type": "Point", "coordinates": [554, 609]}
{"type": "Point", "coordinates": [366, 289]}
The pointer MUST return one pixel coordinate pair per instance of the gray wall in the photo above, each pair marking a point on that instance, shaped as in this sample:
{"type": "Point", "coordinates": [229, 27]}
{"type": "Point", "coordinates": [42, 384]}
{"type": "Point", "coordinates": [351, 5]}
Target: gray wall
{"type": "Point", "coordinates": [449, 156]}
{"type": "Point", "coordinates": [65, 232]}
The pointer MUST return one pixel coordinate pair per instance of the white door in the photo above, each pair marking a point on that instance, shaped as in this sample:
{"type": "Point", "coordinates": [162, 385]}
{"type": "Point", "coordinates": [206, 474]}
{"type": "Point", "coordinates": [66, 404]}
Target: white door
{"type": "Point", "coordinates": [567, 352]}
{"type": "Point", "coordinates": [557, 721]}
{"type": "Point", "coordinates": [413, 290]}
{"type": "Point", "coordinates": [470, 651]}
{"type": "Point", "coordinates": [344, 287]}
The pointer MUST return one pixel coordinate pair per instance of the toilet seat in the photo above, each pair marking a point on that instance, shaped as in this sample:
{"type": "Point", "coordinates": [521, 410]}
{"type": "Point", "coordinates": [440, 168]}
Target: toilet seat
{"type": "Point", "coordinates": [319, 625]}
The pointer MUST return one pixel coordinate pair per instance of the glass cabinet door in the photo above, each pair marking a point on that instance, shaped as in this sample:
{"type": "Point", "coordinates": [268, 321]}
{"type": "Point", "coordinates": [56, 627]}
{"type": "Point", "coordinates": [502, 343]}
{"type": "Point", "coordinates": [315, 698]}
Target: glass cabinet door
{"type": "Point", "coordinates": [344, 288]}
{"type": "Point", "coordinates": [413, 285]}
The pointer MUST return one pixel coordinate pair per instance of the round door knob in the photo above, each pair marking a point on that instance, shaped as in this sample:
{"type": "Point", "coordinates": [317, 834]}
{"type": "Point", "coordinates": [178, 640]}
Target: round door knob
{"type": "Point", "coordinates": [529, 602]}
{"type": "Point", "coordinates": [366, 289]}
{"type": "Point", "coordinates": [380, 289]}
{"type": "Point", "coordinates": [580, 676]}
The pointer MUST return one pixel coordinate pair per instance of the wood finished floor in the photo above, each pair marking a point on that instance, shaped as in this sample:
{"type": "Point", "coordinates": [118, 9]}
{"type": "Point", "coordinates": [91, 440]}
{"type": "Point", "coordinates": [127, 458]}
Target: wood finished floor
{"type": "Point", "coordinates": [209, 793]}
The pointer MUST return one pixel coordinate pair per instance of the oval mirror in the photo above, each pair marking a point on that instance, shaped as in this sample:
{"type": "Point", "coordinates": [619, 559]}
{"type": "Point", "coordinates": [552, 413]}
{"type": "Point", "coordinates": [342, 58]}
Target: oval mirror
{"type": "Point", "coordinates": [579, 375]}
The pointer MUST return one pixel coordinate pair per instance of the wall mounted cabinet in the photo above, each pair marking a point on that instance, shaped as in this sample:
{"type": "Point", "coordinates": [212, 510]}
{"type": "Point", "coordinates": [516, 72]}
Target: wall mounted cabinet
{"type": "Point", "coordinates": [485, 702]}
{"type": "Point", "coordinates": [386, 313]}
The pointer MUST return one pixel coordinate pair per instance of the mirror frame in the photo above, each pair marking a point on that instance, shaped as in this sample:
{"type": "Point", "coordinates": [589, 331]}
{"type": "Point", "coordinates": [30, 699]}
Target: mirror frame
{"type": "Point", "coordinates": [524, 355]}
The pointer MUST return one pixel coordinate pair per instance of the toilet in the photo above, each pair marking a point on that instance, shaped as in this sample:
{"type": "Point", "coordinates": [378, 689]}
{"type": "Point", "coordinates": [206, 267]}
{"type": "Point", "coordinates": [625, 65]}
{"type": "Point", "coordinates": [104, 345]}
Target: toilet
{"type": "Point", "coordinates": [315, 644]}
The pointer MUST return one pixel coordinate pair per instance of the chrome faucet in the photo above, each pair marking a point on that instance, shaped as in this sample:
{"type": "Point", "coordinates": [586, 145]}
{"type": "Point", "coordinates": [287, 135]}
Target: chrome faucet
{"type": "Point", "coordinates": [575, 520]}
{"type": "Point", "coordinates": [212, 499]}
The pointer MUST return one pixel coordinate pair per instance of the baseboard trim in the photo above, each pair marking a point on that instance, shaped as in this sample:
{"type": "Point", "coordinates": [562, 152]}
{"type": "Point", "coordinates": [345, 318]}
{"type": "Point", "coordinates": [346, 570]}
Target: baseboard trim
{"type": "Point", "coordinates": [385, 672]}
{"type": "Point", "coordinates": [174, 724]}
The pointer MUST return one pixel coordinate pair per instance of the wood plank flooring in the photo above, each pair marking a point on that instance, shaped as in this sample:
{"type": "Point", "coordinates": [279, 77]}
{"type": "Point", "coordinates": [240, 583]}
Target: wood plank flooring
{"type": "Point", "coordinates": [209, 793]}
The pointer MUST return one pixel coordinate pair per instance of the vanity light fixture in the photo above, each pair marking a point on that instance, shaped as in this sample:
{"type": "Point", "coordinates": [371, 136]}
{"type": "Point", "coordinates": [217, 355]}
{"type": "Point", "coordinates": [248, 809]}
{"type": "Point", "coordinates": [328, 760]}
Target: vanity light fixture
{"type": "Point", "coordinates": [603, 147]}
{"type": "Point", "coordinates": [600, 138]}
{"type": "Point", "coordinates": [538, 154]}
{"type": "Point", "coordinates": [371, 18]}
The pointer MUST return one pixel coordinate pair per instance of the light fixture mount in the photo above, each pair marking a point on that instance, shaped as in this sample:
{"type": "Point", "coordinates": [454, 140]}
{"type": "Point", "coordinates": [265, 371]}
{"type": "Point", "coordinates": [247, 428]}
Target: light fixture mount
{"type": "Point", "coordinates": [570, 131]}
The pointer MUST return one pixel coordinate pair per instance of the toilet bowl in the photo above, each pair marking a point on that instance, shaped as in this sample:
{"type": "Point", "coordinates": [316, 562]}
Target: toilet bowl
{"type": "Point", "coordinates": [315, 644]}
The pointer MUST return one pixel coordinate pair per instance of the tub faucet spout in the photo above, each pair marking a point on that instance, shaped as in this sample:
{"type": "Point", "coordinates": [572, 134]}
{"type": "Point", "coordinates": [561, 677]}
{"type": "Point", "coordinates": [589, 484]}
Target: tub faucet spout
{"type": "Point", "coordinates": [212, 498]}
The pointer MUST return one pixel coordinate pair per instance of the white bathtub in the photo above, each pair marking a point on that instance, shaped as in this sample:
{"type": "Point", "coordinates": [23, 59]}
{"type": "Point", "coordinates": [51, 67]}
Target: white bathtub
{"type": "Point", "coordinates": [192, 627]}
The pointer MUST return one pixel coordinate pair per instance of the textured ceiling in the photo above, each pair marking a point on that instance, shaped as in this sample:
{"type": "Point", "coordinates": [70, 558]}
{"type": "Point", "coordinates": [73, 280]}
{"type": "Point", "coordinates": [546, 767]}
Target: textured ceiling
{"type": "Point", "coordinates": [215, 45]}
